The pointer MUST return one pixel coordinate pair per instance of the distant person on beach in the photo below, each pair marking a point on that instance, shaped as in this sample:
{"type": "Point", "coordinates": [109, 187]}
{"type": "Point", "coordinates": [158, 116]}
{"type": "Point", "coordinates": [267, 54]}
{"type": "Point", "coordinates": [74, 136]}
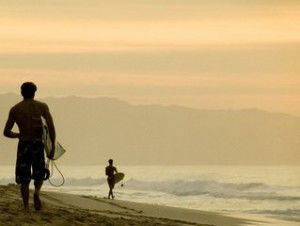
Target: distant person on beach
{"type": "Point", "coordinates": [110, 171]}
{"type": "Point", "coordinates": [30, 162]}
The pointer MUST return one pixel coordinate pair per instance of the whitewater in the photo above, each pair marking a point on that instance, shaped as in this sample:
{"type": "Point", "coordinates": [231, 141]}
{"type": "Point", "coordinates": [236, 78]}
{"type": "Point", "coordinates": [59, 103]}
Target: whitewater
{"type": "Point", "coordinates": [269, 191]}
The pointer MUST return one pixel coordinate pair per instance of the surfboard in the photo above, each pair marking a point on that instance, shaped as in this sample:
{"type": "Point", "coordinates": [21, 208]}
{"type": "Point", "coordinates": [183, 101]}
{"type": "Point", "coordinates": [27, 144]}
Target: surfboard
{"type": "Point", "coordinates": [59, 150]}
{"type": "Point", "coordinates": [119, 177]}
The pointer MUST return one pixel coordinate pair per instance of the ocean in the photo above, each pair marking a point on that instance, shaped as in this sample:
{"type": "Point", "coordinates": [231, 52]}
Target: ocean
{"type": "Point", "coordinates": [268, 191]}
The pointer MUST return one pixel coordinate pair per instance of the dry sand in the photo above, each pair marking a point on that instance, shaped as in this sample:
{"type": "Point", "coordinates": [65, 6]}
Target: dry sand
{"type": "Point", "coordinates": [66, 209]}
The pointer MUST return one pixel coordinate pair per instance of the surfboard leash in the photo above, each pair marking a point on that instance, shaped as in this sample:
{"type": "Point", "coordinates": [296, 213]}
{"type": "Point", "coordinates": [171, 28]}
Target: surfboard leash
{"type": "Point", "coordinates": [53, 165]}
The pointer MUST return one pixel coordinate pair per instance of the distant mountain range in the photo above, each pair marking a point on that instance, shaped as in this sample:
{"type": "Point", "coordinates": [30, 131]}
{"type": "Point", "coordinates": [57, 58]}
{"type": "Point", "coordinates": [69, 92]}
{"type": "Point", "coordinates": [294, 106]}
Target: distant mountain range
{"type": "Point", "coordinates": [94, 130]}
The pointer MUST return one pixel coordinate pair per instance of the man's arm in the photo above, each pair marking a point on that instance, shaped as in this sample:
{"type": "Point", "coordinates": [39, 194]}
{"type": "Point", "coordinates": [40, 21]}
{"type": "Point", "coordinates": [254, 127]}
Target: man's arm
{"type": "Point", "coordinates": [51, 128]}
{"type": "Point", "coordinates": [116, 170]}
{"type": "Point", "coordinates": [8, 127]}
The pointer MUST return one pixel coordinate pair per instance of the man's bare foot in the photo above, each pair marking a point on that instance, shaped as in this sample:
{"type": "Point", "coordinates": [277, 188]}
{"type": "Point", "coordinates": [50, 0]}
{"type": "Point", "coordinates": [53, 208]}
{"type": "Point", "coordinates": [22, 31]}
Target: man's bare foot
{"type": "Point", "coordinates": [37, 202]}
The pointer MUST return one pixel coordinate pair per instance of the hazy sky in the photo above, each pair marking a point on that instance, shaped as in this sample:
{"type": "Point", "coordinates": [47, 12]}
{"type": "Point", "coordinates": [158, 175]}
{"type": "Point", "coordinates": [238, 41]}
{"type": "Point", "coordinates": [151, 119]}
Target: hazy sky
{"type": "Point", "coordinates": [199, 53]}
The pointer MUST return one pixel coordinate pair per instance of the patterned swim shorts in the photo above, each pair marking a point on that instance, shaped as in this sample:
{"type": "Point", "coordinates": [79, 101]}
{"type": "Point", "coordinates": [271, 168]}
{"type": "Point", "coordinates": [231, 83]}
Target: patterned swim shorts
{"type": "Point", "coordinates": [30, 155]}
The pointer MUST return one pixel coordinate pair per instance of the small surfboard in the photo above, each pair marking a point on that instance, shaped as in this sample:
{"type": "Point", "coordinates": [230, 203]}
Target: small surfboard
{"type": "Point", "coordinates": [59, 150]}
{"type": "Point", "coordinates": [119, 177]}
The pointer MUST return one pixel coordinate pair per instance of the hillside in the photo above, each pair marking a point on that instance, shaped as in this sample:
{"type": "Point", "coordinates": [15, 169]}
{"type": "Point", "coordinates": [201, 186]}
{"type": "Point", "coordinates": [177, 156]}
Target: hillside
{"type": "Point", "coordinates": [93, 130]}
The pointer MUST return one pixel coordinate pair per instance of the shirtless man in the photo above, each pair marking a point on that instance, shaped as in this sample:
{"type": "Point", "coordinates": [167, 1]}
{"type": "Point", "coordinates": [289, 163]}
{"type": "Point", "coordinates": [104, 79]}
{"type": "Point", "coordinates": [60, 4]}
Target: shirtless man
{"type": "Point", "coordinates": [27, 115]}
{"type": "Point", "coordinates": [110, 173]}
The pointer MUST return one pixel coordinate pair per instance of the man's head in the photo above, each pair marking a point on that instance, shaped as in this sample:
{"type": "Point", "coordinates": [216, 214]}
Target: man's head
{"type": "Point", "coordinates": [28, 89]}
{"type": "Point", "coordinates": [110, 162]}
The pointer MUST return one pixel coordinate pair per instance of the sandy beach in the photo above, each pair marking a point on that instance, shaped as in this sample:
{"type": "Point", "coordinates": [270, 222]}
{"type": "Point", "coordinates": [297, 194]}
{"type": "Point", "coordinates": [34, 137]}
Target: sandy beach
{"type": "Point", "coordinates": [68, 209]}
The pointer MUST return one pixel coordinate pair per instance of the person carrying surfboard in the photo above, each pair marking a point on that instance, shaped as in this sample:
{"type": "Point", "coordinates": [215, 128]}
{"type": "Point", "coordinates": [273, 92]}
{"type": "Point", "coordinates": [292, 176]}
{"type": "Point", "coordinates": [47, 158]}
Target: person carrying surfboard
{"type": "Point", "coordinates": [110, 171]}
{"type": "Point", "coordinates": [30, 154]}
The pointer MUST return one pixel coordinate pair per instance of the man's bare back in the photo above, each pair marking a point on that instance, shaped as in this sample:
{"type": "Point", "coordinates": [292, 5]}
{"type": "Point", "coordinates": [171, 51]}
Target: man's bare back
{"type": "Point", "coordinates": [27, 115]}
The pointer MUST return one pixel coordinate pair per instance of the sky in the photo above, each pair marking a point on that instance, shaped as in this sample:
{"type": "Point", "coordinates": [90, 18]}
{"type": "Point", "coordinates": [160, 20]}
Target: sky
{"type": "Point", "coordinates": [211, 54]}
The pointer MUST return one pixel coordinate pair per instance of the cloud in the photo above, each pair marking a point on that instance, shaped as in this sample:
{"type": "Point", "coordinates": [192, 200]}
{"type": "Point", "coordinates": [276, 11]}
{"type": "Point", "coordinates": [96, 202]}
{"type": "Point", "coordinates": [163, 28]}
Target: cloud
{"type": "Point", "coordinates": [85, 26]}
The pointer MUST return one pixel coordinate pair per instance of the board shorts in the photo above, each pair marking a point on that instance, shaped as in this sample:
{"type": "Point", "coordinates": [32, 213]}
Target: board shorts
{"type": "Point", "coordinates": [111, 182]}
{"type": "Point", "coordinates": [30, 156]}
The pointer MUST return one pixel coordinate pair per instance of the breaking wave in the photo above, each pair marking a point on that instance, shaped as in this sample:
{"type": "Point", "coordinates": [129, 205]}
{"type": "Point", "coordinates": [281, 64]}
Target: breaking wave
{"type": "Point", "coordinates": [248, 191]}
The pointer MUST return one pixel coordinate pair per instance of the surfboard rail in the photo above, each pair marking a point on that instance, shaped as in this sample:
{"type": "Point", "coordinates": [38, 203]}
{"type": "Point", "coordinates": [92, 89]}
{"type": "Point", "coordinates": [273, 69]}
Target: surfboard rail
{"type": "Point", "coordinates": [59, 150]}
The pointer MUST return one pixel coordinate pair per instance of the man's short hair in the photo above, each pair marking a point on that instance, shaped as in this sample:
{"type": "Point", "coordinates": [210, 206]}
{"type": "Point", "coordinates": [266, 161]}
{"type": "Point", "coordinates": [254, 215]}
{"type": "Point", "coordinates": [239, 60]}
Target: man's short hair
{"type": "Point", "coordinates": [28, 89]}
{"type": "Point", "coordinates": [110, 161]}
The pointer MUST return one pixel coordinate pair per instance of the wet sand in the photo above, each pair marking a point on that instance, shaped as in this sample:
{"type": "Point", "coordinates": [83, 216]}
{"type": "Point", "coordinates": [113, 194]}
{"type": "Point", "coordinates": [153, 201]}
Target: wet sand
{"type": "Point", "coordinates": [67, 209]}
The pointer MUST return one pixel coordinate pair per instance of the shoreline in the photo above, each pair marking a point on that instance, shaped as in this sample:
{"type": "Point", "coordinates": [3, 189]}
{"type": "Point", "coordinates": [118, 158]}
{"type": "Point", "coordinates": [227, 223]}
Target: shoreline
{"type": "Point", "coordinates": [69, 209]}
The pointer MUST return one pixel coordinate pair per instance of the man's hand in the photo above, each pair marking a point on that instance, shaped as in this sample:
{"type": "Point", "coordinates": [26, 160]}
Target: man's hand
{"type": "Point", "coordinates": [11, 134]}
{"type": "Point", "coordinates": [51, 155]}
{"type": "Point", "coordinates": [14, 135]}
{"type": "Point", "coordinates": [8, 127]}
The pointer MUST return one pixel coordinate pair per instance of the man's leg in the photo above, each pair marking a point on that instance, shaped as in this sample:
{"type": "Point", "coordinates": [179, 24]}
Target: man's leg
{"type": "Point", "coordinates": [38, 172]}
{"type": "Point", "coordinates": [108, 183]}
{"type": "Point", "coordinates": [36, 197]}
{"type": "Point", "coordinates": [110, 192]}
{"type": "Point", "coordinates": [25, 195]}
{"type": "Point", "coordinates": [111, 189]}
{"type": "Point", "coordinates": [37, 186]}
{"type": "Point", "coordinates": [23, 172]}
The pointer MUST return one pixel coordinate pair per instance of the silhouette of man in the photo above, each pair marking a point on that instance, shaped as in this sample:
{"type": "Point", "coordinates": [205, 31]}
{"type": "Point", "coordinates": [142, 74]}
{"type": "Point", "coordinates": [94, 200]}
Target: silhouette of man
{"type": "Point", "coordinates": [27, 115]}
{"type": "Point", "coordinates": [110, 173]}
